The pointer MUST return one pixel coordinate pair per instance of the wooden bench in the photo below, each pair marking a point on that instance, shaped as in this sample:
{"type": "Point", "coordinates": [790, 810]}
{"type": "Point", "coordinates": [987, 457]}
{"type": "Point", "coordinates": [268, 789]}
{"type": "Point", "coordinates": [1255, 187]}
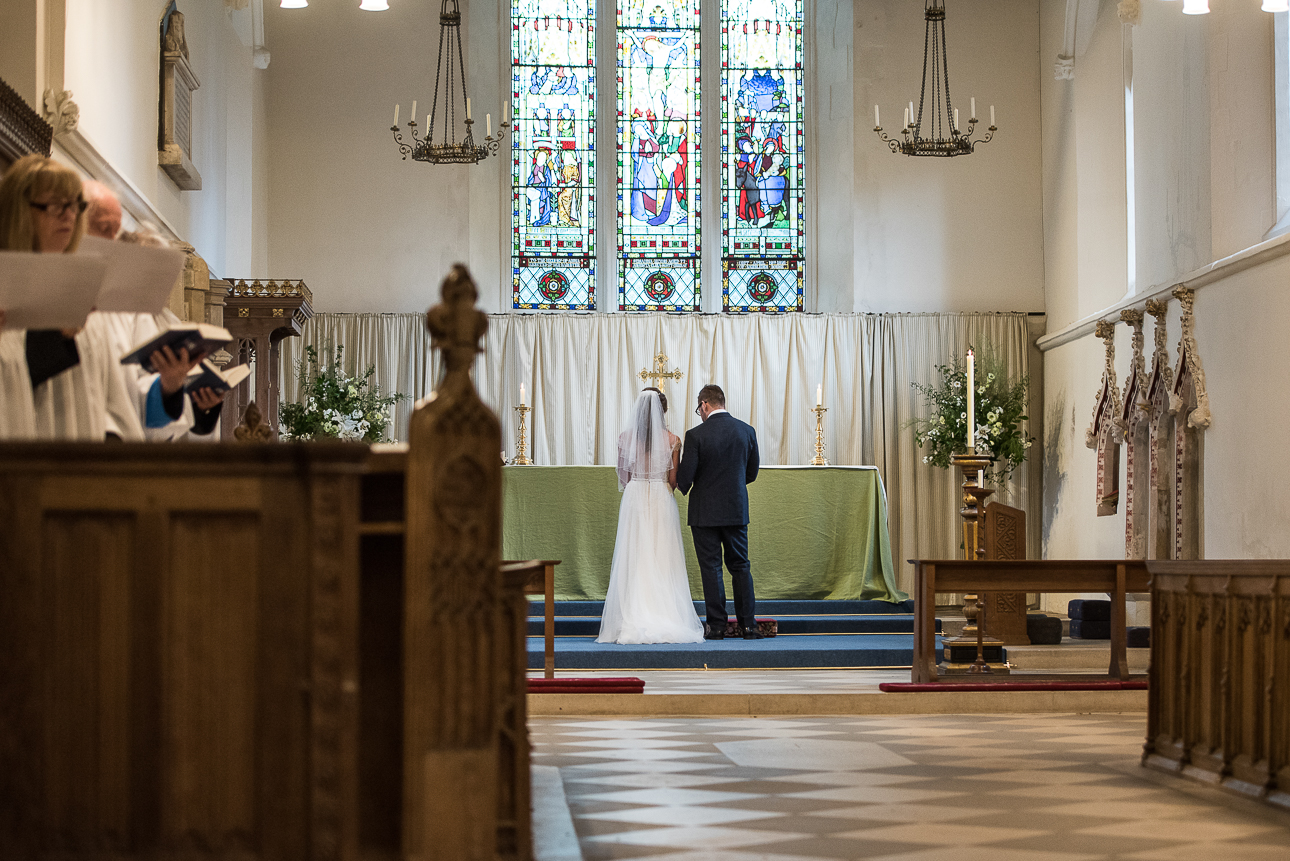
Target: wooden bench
{"type": "Point", "coordinates": [540, 580]}
{"type": "Point", "coordinates": [1115, 577]}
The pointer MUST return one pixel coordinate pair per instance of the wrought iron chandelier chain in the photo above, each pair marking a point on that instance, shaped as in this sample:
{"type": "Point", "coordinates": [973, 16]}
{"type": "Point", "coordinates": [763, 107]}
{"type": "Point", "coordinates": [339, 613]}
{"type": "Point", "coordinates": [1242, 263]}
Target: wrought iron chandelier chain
{"type": "Point", "coordinates": [944, 137]}
{"type": "Point", "coordinates": [449, 151]}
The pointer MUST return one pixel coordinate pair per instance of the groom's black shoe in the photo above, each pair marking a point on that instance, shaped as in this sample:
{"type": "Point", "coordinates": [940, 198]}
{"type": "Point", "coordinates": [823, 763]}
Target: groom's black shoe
{"type": "Point", "coordinates": [714, 635]}
{"type": "Point", "coordinates": [752, 635]}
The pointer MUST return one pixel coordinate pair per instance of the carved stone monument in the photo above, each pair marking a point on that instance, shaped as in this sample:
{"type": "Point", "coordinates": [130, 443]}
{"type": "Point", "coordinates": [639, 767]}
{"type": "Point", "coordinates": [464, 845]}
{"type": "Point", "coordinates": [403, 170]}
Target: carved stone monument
{"type": "Point", "coordinates": [175, 113]}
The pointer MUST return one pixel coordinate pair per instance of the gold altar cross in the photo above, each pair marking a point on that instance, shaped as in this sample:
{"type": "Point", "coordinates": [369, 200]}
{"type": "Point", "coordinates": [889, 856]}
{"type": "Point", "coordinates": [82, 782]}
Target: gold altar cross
{"type": "Point", "coordinates": [660, 373]}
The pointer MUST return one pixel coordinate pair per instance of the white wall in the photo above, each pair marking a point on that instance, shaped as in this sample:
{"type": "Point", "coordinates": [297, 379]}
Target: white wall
{"type": "Point", "coordinates": [1204, 189]}
{"type": "Point", "coordinates": [370, 232]}
{"type": "Point", "coordinates": [112, 69]}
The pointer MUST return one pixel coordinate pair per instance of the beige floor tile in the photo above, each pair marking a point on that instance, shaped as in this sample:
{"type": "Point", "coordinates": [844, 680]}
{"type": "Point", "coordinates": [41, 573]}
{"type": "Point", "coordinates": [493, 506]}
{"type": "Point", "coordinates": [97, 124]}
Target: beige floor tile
{"type": "Point", "coordinates": [682, 816]}
{"type": "Point", "coordinates": [811, 754]}
{"type": "Point", "coordinates": [1132, 808]}
{"type": "Point", "coordinates": [945, 833]}
{"type": "Point", "coordinates": [876, 794]}
{"type": "Point", "coordinates": [987, 853]}
{"type": "Point", "coordinates": [668, 795]}
{"type": "Point", "coordinates": [1216, 852]}
{"type": "Point", "coordinates": [1182, 830]}
{"type": "Point", "coordinates": [689, 837]}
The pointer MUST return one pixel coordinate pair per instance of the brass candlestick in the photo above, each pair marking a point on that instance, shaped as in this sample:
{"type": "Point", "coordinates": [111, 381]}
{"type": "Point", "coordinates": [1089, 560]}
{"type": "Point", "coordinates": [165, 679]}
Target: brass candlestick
{"type": "Point", "coordinates": [971, 465]}
{"type": "Point", "coordinates": [819, 459]}
{"type": "Point", "coordinates": [522, 447]}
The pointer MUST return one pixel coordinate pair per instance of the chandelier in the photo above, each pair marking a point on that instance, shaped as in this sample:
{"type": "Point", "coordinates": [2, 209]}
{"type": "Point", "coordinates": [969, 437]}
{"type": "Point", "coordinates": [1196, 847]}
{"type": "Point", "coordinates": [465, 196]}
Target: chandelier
{"type": "Point", "coordinates": [935, 129]}
{"type": "Point", "coordinates": [448, 150]}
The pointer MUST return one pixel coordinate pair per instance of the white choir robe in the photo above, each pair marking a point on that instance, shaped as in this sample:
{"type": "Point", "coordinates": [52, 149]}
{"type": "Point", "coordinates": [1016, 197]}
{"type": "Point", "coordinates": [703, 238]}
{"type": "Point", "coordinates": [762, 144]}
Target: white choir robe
{"type": "Point", "coordinates": [17, 409]}
{"type": "Point", "coordinates": [127, 331]}
{"type": "Point", "coordinates": [75, 405]}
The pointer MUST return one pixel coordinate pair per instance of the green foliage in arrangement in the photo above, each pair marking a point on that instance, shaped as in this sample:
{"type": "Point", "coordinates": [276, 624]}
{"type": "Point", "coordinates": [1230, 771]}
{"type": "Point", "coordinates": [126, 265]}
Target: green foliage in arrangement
{"type": "Point", "coordinates": [1000, 410]}
{"type": "Point", "coordinates": [335, 405]}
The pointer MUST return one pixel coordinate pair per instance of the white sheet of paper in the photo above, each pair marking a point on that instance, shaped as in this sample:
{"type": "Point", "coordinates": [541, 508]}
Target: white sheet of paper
{"type": "Point", "coordinates": [48, 291]}
{"type": "Point", "coordinates": [139, 279]}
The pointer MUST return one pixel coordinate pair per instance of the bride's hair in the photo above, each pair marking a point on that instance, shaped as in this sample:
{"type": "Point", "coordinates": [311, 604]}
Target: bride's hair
{"type": "Point", "coordinates": [662, 398]}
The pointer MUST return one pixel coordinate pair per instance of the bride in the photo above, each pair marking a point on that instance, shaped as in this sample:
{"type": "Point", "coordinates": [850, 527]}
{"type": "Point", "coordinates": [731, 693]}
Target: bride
{"type": "Point", "coordinates": [648, 600]}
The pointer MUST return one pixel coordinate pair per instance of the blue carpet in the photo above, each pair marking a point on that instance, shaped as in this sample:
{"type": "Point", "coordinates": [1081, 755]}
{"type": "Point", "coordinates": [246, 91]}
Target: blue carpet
{"type": "Point", "coordinates": [812, 634]}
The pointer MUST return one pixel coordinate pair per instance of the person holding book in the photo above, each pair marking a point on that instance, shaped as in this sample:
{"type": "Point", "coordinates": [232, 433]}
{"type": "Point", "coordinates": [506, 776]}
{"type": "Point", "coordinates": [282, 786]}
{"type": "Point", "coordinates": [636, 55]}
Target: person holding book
{"type": "Point", "coordinates": [53, 384]}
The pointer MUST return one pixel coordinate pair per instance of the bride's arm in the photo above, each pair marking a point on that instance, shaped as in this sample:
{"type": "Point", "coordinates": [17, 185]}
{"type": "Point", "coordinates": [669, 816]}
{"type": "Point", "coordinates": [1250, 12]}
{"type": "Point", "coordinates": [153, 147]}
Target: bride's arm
{"type": "Point", "coordinates": [676, 458]}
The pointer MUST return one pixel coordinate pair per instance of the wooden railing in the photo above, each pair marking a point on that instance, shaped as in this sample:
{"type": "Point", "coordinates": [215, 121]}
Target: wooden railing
{"type": "Point", "coordinates": [1219, 707]}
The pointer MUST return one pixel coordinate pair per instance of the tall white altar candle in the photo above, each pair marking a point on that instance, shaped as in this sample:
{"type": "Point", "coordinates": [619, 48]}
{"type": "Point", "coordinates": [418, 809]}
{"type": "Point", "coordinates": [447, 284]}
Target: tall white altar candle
{"type": "Point", "coordinates": [396, 114]}
{"type": "Point", "coordinates": [971, 400]}
{"type": "Point", "coordinates": [522, 394]}
{"type": "Point", "coordinates": [819, 395]}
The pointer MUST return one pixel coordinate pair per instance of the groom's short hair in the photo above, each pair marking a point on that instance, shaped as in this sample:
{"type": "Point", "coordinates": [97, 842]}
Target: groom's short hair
{"type": "Point", "coordinates": [712, 394]}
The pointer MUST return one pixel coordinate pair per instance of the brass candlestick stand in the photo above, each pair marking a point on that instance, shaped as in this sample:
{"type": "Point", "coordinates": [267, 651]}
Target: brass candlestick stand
{"type": "Point", "coordinates": [973, 636]}
{"type": "Point", "coordinates": [522, 447]}
{"type": "Point", "coordinates": [819, 459]}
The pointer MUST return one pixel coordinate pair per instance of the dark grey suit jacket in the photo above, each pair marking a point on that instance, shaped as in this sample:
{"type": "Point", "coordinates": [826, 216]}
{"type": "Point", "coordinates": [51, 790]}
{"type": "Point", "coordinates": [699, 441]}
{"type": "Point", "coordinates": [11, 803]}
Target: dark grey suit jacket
{"type": "Point", "coordinates": [720, 460]}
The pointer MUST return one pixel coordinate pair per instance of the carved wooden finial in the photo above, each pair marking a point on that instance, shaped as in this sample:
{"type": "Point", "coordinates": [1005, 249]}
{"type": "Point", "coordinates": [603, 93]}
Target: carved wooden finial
{"type": "Point", "coordinates": [1157, 307]}
{"type": "Point", "coordinates": [252, 427]}
{"type": "Point", "coordinates": [455, 324]}
{"type": "Point", "coordinates": [1105, 329]}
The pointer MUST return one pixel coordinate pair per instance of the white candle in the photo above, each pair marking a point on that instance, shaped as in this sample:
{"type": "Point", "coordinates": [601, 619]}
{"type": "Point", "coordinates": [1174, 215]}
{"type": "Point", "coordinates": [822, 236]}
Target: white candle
{"type": "Point", "coordinates": [911, 112]}
{"type": "Point", "coordinates": [971, 400]}
{"type": "Point", "coordinates": [819, 395]}
{"type": "Point", "coordinates": [396, 114]}
{"type": "Point", "coordinates": [906, 117]}
{"type": "Point", "coordinates": [506, 112]}
{"type": "Point", "coordinates": [991, 114]}
{"type": "Point", "coordinates": [956, 119]}
{"type": "Point", "coordinates": [876, 121]}
{"type": "Point", "coordinates": [488, 124]}
{"type": "Point", "coordinates": [414, 110]}
{"type": "Point", "coordinates": [521, 394]}
{"type": "Point", "coordinates": [467, 108]}
{"type": "Point", "coordinates": [427, 127]}
{"type": "Point", "coordinates": [973, 108]}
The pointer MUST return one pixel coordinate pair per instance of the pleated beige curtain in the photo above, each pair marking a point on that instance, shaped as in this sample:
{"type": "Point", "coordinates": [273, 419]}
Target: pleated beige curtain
{"type": "Point", "coordinates": [580, 374]}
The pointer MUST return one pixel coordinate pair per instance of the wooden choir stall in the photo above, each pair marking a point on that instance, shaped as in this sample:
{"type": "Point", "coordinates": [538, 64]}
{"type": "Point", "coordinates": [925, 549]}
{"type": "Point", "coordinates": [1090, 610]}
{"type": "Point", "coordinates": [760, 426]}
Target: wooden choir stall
{"type": "Point", "coordinates": [232, 651]}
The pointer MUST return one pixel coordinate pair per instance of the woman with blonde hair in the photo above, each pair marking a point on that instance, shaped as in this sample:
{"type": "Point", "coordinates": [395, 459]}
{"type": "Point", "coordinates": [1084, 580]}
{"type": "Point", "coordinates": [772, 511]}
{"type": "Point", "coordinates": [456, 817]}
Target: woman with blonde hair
{"type": "Point", "coordinates": [53, 384]}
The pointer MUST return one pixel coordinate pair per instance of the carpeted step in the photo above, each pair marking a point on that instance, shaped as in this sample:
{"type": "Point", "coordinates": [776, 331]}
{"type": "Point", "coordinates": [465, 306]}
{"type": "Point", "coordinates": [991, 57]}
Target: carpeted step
{"type": "Point", "coordinates": [589, 626]}
{"type": "Point", "coordinates": [776, 609]}
{"type": "Point", "coordinates": [839, 650]}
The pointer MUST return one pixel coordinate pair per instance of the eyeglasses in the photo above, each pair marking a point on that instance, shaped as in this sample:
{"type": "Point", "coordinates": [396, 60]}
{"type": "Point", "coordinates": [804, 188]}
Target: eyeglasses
{"type": "Point", "coordinates": [698, 411]}
{"type": "Point", "coordinates": [58, 209]}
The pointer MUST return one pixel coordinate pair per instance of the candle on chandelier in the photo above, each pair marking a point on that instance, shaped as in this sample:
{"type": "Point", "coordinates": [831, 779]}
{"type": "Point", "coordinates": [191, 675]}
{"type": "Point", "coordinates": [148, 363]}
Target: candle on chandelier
{"type": "Point", "coordinates": [506, 112]}
{"type": "Point", "coordinates": [467, 108]}
{"type": "Point", "coordinates": [956, 119]}
{"type": "Point", "coordinates": [991, 114]}
{"type": "Point", "coordinates": [911, 112]}
{"type": "Point", "coordinates": [973, 117]}
{"type": "Point", "coordinates": [488, 124]}
{"type": "Point", "coordinates": [906, 117]}
{"type": "Point", "coordinates": [819, 395]}
{"type": "Point", "coordinates": [876, 121]}
{"type": "Point", "coordinates": [971, 400]}
{"type": "Point", "coordinates": [396, 115]}
{"type": "Point", "coordinates": [521, 394]}
{"type": "Point", "coordinates": [414, 110]}
{"type": "Point", "coordinates": [427, 127]}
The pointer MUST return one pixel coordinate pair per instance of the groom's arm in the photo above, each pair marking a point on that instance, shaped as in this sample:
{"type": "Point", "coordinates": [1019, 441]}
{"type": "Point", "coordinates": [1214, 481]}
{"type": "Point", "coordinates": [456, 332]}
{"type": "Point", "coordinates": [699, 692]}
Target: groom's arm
{"type": "Point", "coordinates": [689, 464]}
{"type": "Point", "coordinates": [754, 458]}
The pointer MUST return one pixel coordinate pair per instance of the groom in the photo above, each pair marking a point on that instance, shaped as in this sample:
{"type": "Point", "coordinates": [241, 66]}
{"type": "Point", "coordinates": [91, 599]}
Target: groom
{"type": "Point", "coordinates": [719, 462]}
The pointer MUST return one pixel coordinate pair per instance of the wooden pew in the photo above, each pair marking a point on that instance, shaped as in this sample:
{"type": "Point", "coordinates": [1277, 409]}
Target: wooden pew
{"type": "Point", "coordinates": [1115, 577]}
{"type": "Point", "coordinates": [234, 651]}
{"type": "Point", "coordinates": [1219, 706]}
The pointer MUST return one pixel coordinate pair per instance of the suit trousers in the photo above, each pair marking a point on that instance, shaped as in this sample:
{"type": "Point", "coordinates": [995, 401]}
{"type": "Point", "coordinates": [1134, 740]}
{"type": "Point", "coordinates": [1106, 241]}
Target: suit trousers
{"type": "Point", "coordinates": [709, 542]}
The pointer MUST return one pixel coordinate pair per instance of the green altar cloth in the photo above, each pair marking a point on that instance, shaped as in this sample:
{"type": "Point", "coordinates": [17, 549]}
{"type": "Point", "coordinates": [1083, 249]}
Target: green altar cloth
{"type": "Point", "coordinates": [816, 532]}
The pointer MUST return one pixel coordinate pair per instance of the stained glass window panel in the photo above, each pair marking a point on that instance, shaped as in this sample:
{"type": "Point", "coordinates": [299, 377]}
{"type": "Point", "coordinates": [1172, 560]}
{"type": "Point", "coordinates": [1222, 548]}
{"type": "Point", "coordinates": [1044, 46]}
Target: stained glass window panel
{"type": "Point", "coordinates": [658, 155]}
{"type": "Point", "coordinates": [762, 225]}
{"type": "Point", "coordinates": [553, 170]}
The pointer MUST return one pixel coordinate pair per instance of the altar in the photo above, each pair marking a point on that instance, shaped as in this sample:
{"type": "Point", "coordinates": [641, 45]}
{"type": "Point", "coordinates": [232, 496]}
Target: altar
{"type": "Point", "coordinates": [816, 532]}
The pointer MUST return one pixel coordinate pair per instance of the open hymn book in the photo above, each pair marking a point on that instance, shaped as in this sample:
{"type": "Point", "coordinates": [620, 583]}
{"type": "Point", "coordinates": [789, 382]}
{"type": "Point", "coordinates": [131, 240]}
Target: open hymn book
{"type": "Point", "coordinates": [207, 376]}
{"type": "Point", "coordinates": [199, 339]}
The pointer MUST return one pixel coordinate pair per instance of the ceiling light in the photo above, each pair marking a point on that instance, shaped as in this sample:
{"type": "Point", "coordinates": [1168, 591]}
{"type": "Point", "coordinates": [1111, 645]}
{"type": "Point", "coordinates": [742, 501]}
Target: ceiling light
{"type": "Point", "coordinates": [294, 4]}
{"type": "Point", "coordinates": [1195, 7]}
{"type": "Point", "coordinates": [374, 5]}
{"type": "Point", "coordinates": [1276, 5]}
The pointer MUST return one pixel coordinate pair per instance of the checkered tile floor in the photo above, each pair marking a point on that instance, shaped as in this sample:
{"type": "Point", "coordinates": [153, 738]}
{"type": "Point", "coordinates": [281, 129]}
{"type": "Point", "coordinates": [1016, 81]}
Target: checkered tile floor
{"type": "Point", "coordinates": [903, 788]}
{"type": "Point", "coordinates": [699, 682]}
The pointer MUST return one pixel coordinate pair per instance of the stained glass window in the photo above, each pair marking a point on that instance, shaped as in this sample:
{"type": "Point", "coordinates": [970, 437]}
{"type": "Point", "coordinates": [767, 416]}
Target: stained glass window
{"type": "Point", "coordinates": [553, 213]}
{"type": "Point", "coordinates": [762, 228]}
{"type": "Point", "coordinates": [658, 155]}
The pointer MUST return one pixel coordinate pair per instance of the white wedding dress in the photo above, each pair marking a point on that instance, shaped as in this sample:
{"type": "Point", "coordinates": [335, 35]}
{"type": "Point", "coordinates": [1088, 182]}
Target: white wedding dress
{"type": "Point", "coordinates": [648, 600]}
